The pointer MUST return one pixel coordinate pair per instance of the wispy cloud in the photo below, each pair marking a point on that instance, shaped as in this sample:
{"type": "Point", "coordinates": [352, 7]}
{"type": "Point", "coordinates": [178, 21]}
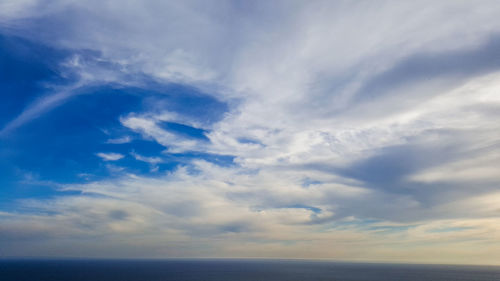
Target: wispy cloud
{"type": "Point", "coordinates": [110, 156]}
{"type": "Point", "coordinates": [36, 109]}
{"type": "Point", "coordinates": [125, 139]}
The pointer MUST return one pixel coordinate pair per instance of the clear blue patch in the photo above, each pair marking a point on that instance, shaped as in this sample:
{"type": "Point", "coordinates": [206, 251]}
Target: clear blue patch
{"type": "Point", "coordinates": [184, 130]}
{"type": "Point", "coordinates": [249, 141]}
{"type": "Point", "coordinates": [308, 182]}
{"type": "Point", "coordinates": [218, 159]}
{"type": "Point", "coordinates": [310, 208]}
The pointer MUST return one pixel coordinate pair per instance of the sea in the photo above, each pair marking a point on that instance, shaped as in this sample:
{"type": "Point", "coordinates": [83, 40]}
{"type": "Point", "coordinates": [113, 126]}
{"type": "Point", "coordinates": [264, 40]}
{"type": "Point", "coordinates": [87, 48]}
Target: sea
{"type": "Point", "coordinates": [235, 270]}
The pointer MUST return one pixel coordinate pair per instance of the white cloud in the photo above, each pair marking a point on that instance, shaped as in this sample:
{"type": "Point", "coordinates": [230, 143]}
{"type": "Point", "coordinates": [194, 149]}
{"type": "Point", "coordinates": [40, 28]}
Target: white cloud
{"type": "Point", "coordinates": [148, 127]}
{"type": "Point", "coordinates": [110, 156]}
{"type": "Point", "coordinates": [37, 108]}
{"type": "Point", "coordinates": [150, 160]}
{"type": "Point", "coordinates": [315, 89]}
{"type": "Point", "coordinates": [264, 215]}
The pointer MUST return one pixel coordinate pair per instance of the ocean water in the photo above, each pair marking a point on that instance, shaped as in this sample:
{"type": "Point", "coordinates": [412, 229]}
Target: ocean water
{"type": "Point", "coordinates": [234, 270]}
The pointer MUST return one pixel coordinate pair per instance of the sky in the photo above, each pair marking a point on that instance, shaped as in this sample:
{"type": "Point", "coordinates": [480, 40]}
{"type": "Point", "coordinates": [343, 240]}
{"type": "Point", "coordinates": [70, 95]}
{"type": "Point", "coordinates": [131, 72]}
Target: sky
{"type": "Point", "coordinates": [343, 130]}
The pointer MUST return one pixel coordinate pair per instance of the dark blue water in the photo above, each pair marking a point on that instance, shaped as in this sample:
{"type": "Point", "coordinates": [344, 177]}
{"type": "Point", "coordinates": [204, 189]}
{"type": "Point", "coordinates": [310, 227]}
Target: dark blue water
{"type": "Point", "coordinates": [234, 270]}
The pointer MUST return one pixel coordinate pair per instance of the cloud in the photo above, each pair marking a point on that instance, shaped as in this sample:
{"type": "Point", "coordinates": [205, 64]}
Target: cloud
{"type": "Point", "coordinates": [149, 128]}
{"type": "Point", "coordinates": [150, 160]}
{"type": "Point", "coordinates": [110, 156]}
{"type": "Point", "coordinates": [36, 109]}
{"type": "Point", "coordinates": [125, 139]}
{"type": "Point", "coordinates": [266, 215]}
{"type": "Point", "coordinates": [353, 130]}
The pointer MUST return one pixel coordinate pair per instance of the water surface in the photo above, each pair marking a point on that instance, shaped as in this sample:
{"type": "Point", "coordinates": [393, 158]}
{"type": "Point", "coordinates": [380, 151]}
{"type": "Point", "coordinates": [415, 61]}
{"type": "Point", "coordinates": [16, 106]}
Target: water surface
{"type": "Point", "coordinates": [235, 270]}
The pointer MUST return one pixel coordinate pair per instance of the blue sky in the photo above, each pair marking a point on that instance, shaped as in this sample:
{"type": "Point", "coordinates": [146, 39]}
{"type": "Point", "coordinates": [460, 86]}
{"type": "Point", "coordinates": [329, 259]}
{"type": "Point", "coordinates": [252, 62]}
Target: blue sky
{"type": "Point", "coordinates": [343, 130]}
{"type": "Point", "coordinates": [74, 139]}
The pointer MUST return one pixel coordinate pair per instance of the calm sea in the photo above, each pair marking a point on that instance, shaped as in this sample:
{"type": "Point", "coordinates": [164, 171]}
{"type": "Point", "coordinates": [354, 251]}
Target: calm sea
{"type": "Point", "coordinates": [234, 270]}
